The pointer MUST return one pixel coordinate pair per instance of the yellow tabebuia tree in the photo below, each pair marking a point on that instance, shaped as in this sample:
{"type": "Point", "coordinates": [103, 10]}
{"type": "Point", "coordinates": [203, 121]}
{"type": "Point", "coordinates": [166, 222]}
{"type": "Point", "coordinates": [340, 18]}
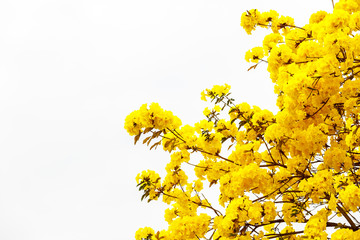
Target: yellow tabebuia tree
{"type": "Point", "coordinates": [290, 175]}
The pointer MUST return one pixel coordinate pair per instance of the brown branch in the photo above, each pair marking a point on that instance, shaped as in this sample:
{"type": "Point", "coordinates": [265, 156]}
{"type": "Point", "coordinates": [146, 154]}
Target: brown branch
{"type": "Point", "coordinates": [309, 116]}
{"type": "Point", "coordinates": [343, 212]}
{"type": "Point", "coordinates": [194, 165]}
{"type": "Point", "coordinates": [276, 235]}
{"type": "Point", "coordinates": [332, 224]}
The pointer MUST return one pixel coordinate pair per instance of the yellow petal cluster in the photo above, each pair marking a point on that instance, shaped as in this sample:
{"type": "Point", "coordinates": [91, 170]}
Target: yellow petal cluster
{"type": "Point", "coordinates": [293, 174]}
{"type": "Point", "coordinates": [150, 117]}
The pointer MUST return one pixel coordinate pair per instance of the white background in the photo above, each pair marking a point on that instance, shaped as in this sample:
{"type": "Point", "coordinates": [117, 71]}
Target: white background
{"type": "Point", "coordinates": [70, 72]}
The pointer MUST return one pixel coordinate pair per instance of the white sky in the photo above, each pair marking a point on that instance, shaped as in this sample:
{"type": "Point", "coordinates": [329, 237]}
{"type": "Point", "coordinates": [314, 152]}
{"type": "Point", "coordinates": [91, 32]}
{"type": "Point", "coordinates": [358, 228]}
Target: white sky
{"type": "Point", "coordinates": [70, 72]}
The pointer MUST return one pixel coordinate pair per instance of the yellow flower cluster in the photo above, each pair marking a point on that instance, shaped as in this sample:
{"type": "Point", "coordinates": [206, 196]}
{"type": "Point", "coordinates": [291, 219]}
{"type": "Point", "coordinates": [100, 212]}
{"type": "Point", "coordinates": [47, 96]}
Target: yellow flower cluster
{"type": "Point", "coordinates": [271, 41]}
{"type": "Point", "coordinates": [350, 197]}
{"type": "Point", "coordinates": [336, 158]}
{"type": "Point", "coordinates": [149, 178]}
{"type": "Point", "coordinates": [318, 186]}
{"type": "Point", "coordinates": [150, 117]}
{"type": "Point", "coordinates": [246, 154]}
{"type": "Point", "coordinates": [145, 233]}
{"type": "Point", "coordinates": [345, 234]}
{"type": "Point", "coordinates": [189, 227]}
{"type": "Point", "coordinates": [270, 170]}
{"type": "Point", "coordinates": [217, 90]}
{"type": "Point", "coordinates": [249, 177]}
{"type": "Point", "coordinates": [316, 225]}
{"type": "Point", "coordinates": [149, 181]}
{"type": "Point", "coordinates": [240, 212]}
{"type": "Point", "coordinates": [175, 175]}
{"type": "Point", "coordinates": [252, 18]}
{"type": "Point", "coordinates": [254, 55]}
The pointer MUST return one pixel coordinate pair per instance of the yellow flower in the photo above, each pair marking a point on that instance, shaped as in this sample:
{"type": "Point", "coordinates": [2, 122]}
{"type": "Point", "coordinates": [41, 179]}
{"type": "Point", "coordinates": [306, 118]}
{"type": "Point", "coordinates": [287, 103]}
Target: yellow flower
{"type": "Point", "coordinates": [206, 111]}
{"type": "Point", "coordinates": [217, 108]}
{"type": "Point", "coordinates": [249, 20]}
{"type": "Point", "coordinates": [203, 96]}
{"type": "Point", "coordinates": [254, 55]}
{"type": "Point", "coordinates": [144, 233]}
{"type": "Point", "coordinates": [317, 17]}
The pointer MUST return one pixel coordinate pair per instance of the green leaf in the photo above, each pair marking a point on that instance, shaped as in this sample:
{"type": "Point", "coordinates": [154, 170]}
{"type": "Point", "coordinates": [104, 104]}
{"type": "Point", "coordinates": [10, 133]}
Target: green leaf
{"type": "Point", "coordinates": [142, 186]}
{"type": "Point", "coordinates": [146, 194]}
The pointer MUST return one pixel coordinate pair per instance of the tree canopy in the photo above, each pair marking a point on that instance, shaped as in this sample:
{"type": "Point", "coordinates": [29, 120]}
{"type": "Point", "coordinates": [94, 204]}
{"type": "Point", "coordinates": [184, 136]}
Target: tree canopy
{"type": "Point", "coordinates": [293, 174]}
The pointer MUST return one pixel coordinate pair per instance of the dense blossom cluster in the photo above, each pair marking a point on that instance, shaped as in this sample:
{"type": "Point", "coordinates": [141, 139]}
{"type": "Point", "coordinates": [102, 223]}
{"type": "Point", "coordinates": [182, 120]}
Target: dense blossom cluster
{"type": "Point", "coordinates": [300, 165]}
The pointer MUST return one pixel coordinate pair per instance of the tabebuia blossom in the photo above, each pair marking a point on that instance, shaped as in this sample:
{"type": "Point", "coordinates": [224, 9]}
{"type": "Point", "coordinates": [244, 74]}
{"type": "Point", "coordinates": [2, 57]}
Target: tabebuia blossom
{"type": "Point", "coordinates": [293, 174]}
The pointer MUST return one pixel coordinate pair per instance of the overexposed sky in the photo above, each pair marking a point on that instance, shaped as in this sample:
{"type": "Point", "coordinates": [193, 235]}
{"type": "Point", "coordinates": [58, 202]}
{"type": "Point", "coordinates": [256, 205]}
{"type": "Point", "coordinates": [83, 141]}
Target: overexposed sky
{"type": "Point", "coordinates": [70, 72]}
